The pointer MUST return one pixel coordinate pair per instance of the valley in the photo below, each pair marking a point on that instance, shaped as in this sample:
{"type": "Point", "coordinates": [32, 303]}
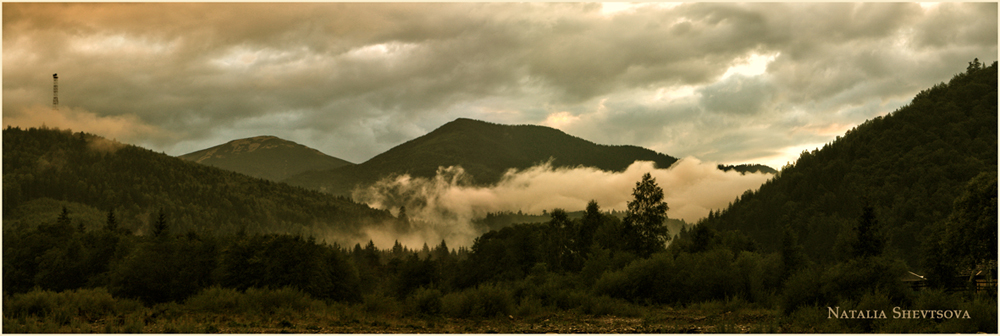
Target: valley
{"type": "Point", "coordinates": [100, 236]}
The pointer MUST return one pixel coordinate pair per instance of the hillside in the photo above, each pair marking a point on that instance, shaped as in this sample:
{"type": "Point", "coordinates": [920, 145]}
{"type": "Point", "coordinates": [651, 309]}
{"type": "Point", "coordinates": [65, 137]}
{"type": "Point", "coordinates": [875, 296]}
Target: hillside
{"type": "Point", "coordinates": [910, 165]}
{"type": "Point", "coordinates": [266, 157]}
{"type": "Point", "coordinates": [484, 150]}
{"type": "Point", "coordinates": [45, 169]}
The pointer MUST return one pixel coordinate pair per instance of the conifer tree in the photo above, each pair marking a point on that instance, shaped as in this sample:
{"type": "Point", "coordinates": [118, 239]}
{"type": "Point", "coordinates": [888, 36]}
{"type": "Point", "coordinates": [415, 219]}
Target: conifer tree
{"type": "Point", "coordinates": [870, 241]}
{"type": "Point", "coordinates": [643, 226]}
{"type": "Point", "coordinates": [160, 227]}
{"type": "Point", "coordinates": [112, 224]}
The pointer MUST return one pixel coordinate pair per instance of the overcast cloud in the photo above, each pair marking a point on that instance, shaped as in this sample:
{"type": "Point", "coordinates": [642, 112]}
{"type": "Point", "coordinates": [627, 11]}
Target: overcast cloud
{"type": "Point", "coordinates": [722, 82]}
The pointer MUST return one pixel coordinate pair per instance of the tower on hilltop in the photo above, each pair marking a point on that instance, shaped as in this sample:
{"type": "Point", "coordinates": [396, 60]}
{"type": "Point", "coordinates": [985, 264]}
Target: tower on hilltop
{"type": "Point", "coordinates": [55, 91]}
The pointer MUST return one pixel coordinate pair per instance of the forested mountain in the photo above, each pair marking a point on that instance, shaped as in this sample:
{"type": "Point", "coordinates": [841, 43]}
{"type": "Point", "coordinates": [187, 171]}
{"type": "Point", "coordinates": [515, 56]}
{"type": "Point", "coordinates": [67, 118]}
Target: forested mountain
{"type": "Point", "coordinates": [484, 150]}
{"type": "Point", "coordinates": [266, 157]}
{"type": "Point", "coordinates": [44, 169]}
{"type": "Point", "coordinates": [909, 166]}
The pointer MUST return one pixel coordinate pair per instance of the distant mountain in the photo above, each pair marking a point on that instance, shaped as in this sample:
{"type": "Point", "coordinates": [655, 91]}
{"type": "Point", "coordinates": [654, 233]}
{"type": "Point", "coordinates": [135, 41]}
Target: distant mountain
{"type": "Point", "coordinates": [266, 157]}
{"type": "Point", "coordinates": [485, 150]}
{"type": "Point", "coordinates": [909, 165]}
{"type": "Point", "coordinates": [45, 169]}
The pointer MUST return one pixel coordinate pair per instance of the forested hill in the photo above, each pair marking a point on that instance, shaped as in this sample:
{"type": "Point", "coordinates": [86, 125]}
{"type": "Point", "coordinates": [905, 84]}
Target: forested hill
{"type": "Point", "coordinates": [485, 150]}
{"type": "Point", "coordinates": [909, 165]}
{"type": "Point", "coordinates": [266, 157]}
{"type": "Point", "coordinates": [45, 169]}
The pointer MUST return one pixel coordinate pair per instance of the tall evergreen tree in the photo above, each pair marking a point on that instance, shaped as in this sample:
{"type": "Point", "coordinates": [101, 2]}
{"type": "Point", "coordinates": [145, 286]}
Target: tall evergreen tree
{"type": "Point", "coordinates": [112, 223]}
{"type": "Point", "coordinates": [870, 241]}
{"type": "Point", "coordinates": [643, 226]}
{"type": "Point", "coordinates": [160, 226]}
{"type": "Point", "coordinates": [64, 221]}
{"type": "Point", "coordinates": [591, 221]}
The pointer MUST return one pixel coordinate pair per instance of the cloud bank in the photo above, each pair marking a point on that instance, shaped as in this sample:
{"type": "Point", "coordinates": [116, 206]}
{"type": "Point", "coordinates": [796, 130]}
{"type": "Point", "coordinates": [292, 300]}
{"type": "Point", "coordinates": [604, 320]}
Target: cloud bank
{"type": "Point", "coordinates": [724, 82]}
{"type": "Point", "coordinates": [446, 204]}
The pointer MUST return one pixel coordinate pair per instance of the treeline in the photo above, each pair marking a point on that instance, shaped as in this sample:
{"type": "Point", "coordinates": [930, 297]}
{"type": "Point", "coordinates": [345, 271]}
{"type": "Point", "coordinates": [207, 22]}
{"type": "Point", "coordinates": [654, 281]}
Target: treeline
{"type": "Point", "coordinates": [909, 165]}
{"type": "Point", "coordinates": [167, 265]}
{"type": "Point", "coordinates": [598, 265]}
{"type": "Point", "coordinates": [47, 164]}
{"type": "Point", "coordinates": [804, 242]}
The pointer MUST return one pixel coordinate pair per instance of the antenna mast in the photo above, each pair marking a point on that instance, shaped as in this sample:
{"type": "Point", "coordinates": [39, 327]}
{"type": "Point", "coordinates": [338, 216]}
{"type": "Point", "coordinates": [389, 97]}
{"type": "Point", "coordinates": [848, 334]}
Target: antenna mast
{"type": "Point", "coordinates": [55, 91]}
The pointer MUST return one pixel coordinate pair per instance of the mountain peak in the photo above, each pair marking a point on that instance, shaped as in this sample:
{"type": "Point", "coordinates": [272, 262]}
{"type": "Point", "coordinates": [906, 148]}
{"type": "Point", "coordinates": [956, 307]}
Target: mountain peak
{"type": "Point", "coordinates": [485, 151]}
{"type": "Point", "coordinates": [265, 156]}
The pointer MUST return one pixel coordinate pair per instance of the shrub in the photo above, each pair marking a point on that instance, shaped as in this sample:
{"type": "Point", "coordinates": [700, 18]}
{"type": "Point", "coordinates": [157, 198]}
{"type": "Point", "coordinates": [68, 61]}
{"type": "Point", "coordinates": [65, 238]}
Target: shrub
{"type": "Point", "coordinates": [272, 300]}
{"type": "Point", "coordinates": [642, 280]}
{"type": "Point", "coordinates": [424, 301]}
{"type": "Point", "coordinates": [803, 288]}
{"type": "Point", "coordinates": [254, 300]}
{"type": "Point", "coordinates": [482, 301]}
{"type": "Point", "coordinates": [530, 306]}
{"type": "Point", "coordinates": [217, 299]}
{"type": "Point", "coordinates": [85, 303]}
{"type": "Point", "coordinates": [378, 304]}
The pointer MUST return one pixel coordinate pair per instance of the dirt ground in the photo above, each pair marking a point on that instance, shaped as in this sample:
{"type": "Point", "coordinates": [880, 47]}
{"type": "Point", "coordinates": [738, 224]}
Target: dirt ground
{"type": "Point", "coordinates": [660, 321]}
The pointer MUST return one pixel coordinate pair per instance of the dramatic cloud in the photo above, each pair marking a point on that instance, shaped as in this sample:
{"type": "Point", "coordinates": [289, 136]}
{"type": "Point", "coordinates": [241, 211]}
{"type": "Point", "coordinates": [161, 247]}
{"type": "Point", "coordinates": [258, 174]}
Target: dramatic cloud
{"type": "Point", "coordinates": [446, 205]}
{"type": "Point", "coordinates": [722, 82]}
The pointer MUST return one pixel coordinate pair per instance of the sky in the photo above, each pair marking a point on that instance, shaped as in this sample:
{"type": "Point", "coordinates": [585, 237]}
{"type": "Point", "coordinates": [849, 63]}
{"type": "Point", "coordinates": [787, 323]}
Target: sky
{"type": "Point", "coordinates": [720, 82]}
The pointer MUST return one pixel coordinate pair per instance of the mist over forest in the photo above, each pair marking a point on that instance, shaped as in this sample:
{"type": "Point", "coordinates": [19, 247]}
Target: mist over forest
{"type": "Point", "coordinates": [899, 211]}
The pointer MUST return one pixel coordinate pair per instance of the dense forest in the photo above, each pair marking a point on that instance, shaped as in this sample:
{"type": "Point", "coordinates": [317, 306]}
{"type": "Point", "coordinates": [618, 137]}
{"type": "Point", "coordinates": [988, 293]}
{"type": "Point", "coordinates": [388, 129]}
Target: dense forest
{"type": "Point", "coordinates": [484, 150]}
{"type": "Point", "coordinates": [43, 168]}
{"type": "Point", "coordinates": [823, 233]}
{"type": "Point", "coordinates": [908, 166]}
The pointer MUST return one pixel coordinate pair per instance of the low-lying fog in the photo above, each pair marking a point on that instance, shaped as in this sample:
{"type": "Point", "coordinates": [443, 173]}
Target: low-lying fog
{"type": "Point", "coordinates": [443, 207]}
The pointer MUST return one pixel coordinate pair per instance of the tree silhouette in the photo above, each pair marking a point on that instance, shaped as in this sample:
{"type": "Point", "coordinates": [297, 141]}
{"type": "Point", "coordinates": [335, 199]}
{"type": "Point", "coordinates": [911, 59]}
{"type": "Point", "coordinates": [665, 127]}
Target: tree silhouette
{"type": "Point", "coordinates": [643, 225]}
{"type": "Point", "coordinates": [870, 241]}
{"type": "Point", "coordinates": [160, 227]}
{"type": "Point", "coordinates": [112, 224]}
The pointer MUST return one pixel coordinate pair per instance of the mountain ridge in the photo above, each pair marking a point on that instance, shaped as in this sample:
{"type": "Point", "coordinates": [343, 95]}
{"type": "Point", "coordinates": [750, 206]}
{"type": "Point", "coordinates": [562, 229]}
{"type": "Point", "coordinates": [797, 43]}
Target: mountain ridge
{"type": "Point", "coordinates": [909, 166]}
{"type": "Point", "coordinates": [138, 183]}
{"type": "Point", "coordinates": [485, 150]}
{"type": "Point", "coordinates": [265, 156]}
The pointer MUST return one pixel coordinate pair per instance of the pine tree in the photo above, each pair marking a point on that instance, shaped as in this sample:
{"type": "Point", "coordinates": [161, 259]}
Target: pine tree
{"type": "Point", "coordinates": [64, 221]}
{"type": "Point", "coordinates": [112, 224]}
{"type": "Point", "coordinates": [160, 227]}
{"type": "Point", "coordinates": [870, 241]}
{"type": "Point", "coordinates": [591, 222]}
{"type": "Point", "coordinates": [403, 218]}
{"type": "Point", "coordinates": [643, 226]}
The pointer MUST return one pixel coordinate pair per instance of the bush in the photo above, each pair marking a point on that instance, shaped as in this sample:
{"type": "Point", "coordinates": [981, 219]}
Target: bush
{"type": "Point", "coordinates": [641, 281]}
{"type": "Point", "coordinates": [62, 307]}
{"type": "Point", "coordinates": [254, 300]}
{"type": "Point", "coordinates": [804, 288]}
{"type": "Point", "coordinates": [483, 301]}
{"type": "Point", "coordinates": [378, 304]}
{"type": "Point", "coordinates": [217, 299]}
{"type": "Point", "coordinates": [982, 312]}
{"type": "Point", "coordinates": [272, 300]}
{"type": "Point", "coordinates": [530, 306]}
{"type": "Point", "coordinates": [424, 302]}
{"type": "Point", "coordinates": [850, 280]}
{"type": "Point", "coordinates": [690, 277]}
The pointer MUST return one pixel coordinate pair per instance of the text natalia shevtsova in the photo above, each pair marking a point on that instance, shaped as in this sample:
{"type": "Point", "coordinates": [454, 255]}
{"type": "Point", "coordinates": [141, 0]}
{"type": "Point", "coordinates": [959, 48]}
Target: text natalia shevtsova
{"type": "Point", "coordinates": [897, 313]}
